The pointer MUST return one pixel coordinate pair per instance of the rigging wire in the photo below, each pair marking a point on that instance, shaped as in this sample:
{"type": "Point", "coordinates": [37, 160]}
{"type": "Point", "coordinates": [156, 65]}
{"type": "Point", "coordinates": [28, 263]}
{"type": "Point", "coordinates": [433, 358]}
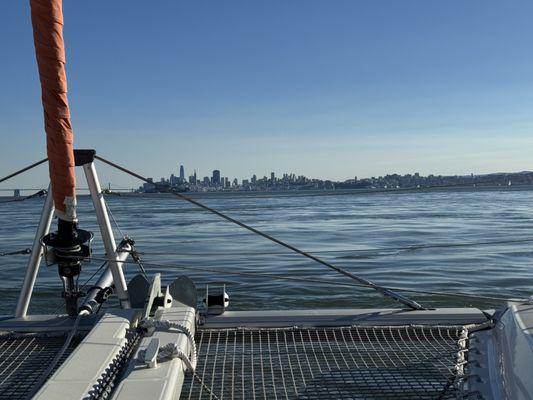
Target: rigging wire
{"type": "Point", "coordinates": [134, 254]}
{"type": "Point", "coordinates": [384, 291]}
{"type": "Point", "coordinates": [20, 171]}
{"type": "Point", "coordinates": [315, 281]}
{"type": "Point", "coordinates": [113, 218]}
{"type": "Point", "coordinates": [93, 275]}
{"type": "Point", "coordinates": [137, 259]}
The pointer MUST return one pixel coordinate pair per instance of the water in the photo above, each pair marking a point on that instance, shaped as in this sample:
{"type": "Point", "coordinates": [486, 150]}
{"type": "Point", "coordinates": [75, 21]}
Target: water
{"type": "Point", "coordinates": [433, 240]}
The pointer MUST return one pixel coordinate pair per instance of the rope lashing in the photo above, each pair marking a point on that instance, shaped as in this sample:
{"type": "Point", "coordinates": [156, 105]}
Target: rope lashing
{"type": "Point", "coordinates": [170, 350]}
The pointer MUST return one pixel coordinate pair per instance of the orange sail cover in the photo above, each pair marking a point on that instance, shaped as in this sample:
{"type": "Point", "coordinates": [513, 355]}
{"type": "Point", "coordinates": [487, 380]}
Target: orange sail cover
{"type": "Point", "coordinates": [47, 22]}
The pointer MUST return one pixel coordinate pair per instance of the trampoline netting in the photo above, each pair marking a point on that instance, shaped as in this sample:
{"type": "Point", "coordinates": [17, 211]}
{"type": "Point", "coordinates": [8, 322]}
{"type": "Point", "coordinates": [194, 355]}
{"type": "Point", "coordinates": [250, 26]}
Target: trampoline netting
{"type": "Point", "coordinates": [360, 362]}
{"type": "Point", "coordinates": [24, 357]}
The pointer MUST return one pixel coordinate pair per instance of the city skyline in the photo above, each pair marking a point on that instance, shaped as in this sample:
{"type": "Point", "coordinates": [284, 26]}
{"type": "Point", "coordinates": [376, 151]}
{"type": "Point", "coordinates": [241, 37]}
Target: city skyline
{"type": "Point", "coordinates": [272, 174]}
{"type": "Point", "coordinates": [23, 184]}
{"type": "Point", "coordinates": [290, 181]}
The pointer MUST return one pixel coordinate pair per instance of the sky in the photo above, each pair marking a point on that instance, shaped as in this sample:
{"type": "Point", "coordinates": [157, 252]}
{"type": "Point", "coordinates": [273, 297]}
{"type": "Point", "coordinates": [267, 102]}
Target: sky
{"type": "Point", "coordinates": [328, 89]}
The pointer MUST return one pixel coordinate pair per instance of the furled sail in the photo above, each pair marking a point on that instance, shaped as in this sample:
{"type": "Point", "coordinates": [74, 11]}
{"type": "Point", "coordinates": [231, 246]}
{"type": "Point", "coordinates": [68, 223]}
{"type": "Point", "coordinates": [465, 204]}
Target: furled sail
{"type": "Point", "coordinates": [47, 22]}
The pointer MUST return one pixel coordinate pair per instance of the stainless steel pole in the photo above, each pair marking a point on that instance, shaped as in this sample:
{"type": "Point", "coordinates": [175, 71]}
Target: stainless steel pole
{"type": "Point", "coordinates": [115, 264]}
{"type": "Point", "coordinates": [36, 255]}
{"type": "Point", "coordinates": [105, 281]}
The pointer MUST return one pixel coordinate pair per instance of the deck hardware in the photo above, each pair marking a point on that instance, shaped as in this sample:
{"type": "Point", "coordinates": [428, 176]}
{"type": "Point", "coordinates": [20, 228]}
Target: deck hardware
{"type": "Point", "coordinates": [70, 246]}
{"type": "Point", "coordinates": [216, 304]}
{"type": "Point", "coordinates": [167, 299]}
{"type": "Point", "coordinates": [183, 290]}
{"type": "Point", "coordinates": [158, 315]}
{"type": "Point", "coordinates": [150, 354]}
{"type": "Point", "coordinates": [170, 350]}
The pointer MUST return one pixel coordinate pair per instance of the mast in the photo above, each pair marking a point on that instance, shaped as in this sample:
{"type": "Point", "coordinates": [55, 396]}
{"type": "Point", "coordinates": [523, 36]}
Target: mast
{"type": "Point", "coordinates": [47, 22]}
{"type": "Point", "coordinates": [69, 242]}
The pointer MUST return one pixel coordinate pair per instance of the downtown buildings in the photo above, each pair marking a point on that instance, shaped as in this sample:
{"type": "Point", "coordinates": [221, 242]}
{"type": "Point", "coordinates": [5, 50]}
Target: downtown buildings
{"type": "Point", "coordinates": [289, 181]}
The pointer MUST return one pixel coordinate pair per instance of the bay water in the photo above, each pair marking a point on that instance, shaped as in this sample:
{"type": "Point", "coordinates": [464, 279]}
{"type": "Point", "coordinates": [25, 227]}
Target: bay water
{"type": "Point", "coordinates": [477, 241]}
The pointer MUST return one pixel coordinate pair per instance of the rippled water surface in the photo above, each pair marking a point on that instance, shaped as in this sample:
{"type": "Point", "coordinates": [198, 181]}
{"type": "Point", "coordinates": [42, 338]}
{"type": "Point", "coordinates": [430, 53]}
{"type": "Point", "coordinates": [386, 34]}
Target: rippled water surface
{"type": "Point", "coordinates": [476, 241]}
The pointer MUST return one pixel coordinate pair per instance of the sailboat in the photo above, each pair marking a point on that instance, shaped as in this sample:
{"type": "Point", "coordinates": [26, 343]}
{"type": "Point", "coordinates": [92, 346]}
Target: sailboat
{"type": "Point", "coordinates": [161, 341]}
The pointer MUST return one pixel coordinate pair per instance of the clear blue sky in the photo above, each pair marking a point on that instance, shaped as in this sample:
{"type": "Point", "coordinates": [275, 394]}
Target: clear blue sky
{"type": "Point", "coordinates": [328, 89]}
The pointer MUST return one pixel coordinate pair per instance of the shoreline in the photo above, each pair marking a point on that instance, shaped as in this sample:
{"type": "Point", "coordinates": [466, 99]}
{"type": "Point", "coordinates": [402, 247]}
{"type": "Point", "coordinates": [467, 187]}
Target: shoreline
{"type": "Point", "coordinates": [310, 193]}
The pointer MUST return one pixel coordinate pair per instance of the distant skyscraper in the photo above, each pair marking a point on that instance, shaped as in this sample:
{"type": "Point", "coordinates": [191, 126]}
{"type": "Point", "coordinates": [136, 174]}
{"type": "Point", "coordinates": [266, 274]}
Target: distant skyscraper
{"type": "Point", "coordinates": [182, 173]}
{"type": "Point", "coordinates": [272, 177]}
{"type": "Point", "coordinates": [215, 180]}
{"type": "Point", "coordinates": [173, 180]}
{"type": "Point", "coordinates": [192, 179]}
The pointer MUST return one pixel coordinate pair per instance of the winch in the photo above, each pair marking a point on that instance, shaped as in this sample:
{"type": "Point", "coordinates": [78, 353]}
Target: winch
{"type": "Point", "coordinates": [69, 247]}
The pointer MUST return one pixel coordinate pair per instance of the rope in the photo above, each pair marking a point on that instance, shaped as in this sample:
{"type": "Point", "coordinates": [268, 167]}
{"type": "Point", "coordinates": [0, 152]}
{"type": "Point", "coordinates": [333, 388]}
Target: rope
{"type": "Point", "coordinates": [114, 220]}
{"type": "Point", "coordinates": [320, 281]}
{"type": "Point", "coordinates": [171, 350]}
{"type": "Point", "coordinates": [384, 291]}
{"type": "Point", "coordinates": [20, 171]}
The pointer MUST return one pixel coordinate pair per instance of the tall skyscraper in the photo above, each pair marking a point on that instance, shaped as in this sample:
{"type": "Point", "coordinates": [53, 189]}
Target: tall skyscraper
{"type": "Point", "coordinates": [215, 180]}
{"type": "Point", "coordinates": [192, 179]}
{"type": "Point", "coordinates": [272, 177]}
{"type": "Point", "coordinates": [182, 173]}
